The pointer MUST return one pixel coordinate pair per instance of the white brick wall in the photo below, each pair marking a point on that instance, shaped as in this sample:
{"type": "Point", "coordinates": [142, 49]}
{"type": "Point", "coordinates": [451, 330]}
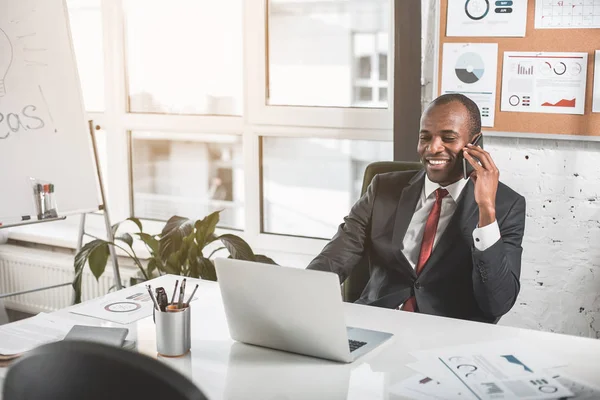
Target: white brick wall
{"type": "Point", "coordinates": [560, 277]}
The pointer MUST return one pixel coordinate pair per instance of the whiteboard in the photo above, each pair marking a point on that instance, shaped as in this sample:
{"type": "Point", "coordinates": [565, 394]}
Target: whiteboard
{"type": "Point", "coordinates": [43, 129]}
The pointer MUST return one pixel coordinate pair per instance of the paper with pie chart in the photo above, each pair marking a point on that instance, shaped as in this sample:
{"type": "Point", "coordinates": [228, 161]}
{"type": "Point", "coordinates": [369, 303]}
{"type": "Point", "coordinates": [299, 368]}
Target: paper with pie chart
{"type": "Point", "coordinates": [486, 18]}
{"type": "Point", "coordinates": [470, 69]}
{"type": "Point", "coordinates": [124, 306]}
{"type": "Point", "coordinates": [552, 83]}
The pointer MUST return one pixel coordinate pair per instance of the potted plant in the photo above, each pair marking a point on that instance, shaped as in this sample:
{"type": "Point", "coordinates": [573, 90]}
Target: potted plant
{"type": "Point", "coordinates": [178, 249]}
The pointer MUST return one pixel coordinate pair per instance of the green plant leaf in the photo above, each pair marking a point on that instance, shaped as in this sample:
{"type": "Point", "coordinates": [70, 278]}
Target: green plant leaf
{"type": "Point", "coordinates": [150, 241]}
{"type": "Point", "coordinates": [238, 248]}
{"type": "Point", "coordinates": [136, 221]}
{"type": "Point", "coordinates": [81, 259]}
{"type": "Point", "coordinates": [206, 227]}
{"type": "Point", "coordinates": [264, 259]}
{"type": "Point", "coordinates": [211, 238]}
{"type": "Point", "coordinates": [97, 260]}
{"type": "Point", "coordinates": [193, 252]}
{"type": "Point", "coordinates": [212, 253]}
{"type": "Point", "coordinates": [207, 269]}
{"type": "Point", "coordinates": [172, 265]}
{"type": "Point", "coordinates": [126, 237]}
{"type": "Point", "coordinates": [171, 238]}
{"type": "Point", "coordinates": [194, 268]}
{"type": "Point", "coordinates": [152, 265]}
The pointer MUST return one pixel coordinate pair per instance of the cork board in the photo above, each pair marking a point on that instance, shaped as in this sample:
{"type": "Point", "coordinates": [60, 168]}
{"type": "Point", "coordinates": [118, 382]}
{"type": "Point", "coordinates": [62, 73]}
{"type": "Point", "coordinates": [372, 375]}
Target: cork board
{"type": "Point", "coordinates": [538, 40]}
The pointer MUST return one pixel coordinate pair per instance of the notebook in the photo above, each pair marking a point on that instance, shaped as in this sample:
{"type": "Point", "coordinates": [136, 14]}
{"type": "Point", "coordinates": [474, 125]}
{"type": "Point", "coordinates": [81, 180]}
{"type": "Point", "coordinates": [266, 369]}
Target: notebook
{"type": "Point", "coordinates": [99, 334]}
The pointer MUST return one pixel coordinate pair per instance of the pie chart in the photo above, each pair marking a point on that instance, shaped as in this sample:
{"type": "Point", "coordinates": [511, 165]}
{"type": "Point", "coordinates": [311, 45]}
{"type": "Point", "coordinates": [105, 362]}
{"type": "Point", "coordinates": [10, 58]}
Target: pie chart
{"type": "Point", "coordinates": [469, 67]}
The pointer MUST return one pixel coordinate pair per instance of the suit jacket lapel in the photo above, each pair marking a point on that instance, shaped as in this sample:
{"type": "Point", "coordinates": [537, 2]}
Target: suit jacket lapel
{"type": "Point", "coordinates": [406, 207]}
{"type": "Point", "coordinates": [464, 220]}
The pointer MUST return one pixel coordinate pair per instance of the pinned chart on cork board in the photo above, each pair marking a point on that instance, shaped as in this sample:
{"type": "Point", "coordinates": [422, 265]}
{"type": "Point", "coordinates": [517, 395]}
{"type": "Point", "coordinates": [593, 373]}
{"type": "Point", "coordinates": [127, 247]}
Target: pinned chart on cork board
{"type": "Point", "coordinates": [529, 74]}
{"type": "Point", "coordinates": [46, 155]}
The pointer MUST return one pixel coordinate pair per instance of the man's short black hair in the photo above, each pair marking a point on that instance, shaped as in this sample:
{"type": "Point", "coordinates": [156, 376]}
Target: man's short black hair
{"type": "Point", "coordinates": [472, 109]}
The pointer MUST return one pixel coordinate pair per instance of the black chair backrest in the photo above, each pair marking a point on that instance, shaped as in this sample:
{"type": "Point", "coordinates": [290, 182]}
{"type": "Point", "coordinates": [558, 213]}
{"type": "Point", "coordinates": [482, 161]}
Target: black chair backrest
{"type": "Point", "coordinates": [356, 282]}
{"type": "Point", "coordinates": [74, 370]}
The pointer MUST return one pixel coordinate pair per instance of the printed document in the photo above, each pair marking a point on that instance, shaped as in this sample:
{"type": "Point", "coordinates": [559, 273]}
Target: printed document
{"type": "Point", "coordinates": [27, 334]}
{"type": "Point", "coordinates": [544, 82]}
{"type": "Point", "coordinates": [503, 369]}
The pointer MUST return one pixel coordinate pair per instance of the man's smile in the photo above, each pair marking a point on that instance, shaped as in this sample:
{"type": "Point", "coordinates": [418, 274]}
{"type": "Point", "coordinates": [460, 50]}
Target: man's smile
{"type": "Point", "coordinates": [435, 163]}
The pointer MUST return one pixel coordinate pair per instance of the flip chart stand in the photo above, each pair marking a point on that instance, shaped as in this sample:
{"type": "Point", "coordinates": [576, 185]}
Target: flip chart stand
{"type": "Point", "coordinates": [82, 232]}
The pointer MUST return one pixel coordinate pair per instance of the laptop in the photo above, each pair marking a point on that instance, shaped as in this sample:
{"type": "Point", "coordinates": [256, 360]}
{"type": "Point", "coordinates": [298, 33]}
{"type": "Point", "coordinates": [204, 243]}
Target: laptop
{"type": "Point", "coordinates": [290, 309]}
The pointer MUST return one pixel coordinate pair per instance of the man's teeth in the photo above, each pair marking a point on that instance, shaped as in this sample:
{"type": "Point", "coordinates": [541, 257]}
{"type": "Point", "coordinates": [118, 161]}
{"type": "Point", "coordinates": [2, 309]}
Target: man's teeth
{"type": "Point", "coordinates": [438, 162]}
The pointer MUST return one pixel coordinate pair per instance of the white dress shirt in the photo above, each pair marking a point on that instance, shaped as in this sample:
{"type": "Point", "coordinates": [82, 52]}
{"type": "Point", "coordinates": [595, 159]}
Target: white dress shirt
{"type": "Point", "coordinates": [483, 238]}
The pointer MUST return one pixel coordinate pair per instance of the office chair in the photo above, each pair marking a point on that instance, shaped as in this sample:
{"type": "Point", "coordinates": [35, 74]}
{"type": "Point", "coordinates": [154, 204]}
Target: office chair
{"type": "Point", "coordinates": [356, 282]}
{"type": "Point", "coordinates": [75, 370]}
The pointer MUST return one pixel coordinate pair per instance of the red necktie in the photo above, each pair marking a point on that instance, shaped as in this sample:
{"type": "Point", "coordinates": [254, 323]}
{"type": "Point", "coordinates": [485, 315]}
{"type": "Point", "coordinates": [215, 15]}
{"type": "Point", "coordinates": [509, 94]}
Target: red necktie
{"type": "Point", "coordinates": [427, 243]}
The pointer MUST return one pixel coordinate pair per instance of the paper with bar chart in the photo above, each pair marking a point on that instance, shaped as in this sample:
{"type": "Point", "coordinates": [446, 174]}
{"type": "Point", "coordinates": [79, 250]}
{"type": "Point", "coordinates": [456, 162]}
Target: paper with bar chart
{"type": "Point", "coordinates": [470, 69]}
{"type": "Point", "coordinates": [552, 83]}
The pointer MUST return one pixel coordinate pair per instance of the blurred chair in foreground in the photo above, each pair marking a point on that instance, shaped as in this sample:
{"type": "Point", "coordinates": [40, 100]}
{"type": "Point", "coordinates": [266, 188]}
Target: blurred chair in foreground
{"type": "Point", "coordinates": [74, 370]}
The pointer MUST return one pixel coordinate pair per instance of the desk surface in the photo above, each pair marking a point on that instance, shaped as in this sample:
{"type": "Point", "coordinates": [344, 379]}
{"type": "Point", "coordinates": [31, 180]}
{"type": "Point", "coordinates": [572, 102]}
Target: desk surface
{"type": "Point", "coordinates": [224, 369]}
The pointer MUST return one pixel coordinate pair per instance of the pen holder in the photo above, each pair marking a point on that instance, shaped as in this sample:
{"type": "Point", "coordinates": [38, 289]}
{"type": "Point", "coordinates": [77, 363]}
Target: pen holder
{"type": "Point", "coordinates": [173, 332]}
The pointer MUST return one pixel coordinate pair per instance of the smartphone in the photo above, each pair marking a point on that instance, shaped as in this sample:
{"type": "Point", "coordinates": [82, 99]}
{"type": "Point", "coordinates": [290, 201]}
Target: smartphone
{"type": "Point", "coordinates": [468, 168]}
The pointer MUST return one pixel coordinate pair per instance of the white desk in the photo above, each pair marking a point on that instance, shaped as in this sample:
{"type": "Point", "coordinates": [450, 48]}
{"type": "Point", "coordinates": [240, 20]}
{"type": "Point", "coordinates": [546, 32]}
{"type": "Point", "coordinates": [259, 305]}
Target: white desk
{"type": "Point", "coordinates": [224, 369]}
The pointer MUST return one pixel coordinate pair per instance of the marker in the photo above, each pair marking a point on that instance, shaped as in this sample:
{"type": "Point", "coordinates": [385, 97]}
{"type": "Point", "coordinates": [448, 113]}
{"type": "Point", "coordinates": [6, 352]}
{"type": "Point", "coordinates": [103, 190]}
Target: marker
{"type": "Point", "coordinates": [46, 198]}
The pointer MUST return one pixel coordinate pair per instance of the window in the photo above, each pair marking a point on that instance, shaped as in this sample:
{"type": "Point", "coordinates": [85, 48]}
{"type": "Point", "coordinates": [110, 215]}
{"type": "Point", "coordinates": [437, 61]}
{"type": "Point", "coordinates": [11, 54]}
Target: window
{"type": "Point", "coordinates": [184, 56]}
{"type": "Point", "coordinates": [317, 58]}
{"type": "Point", "coordinates": [190, 176]}
{"type": "Point", "coordinates": [370, 80]}
{"type": "Point", "coordinates": [267, 110]}
{"type": "Point", "coordinates": [310, 184]}
{"type": "Point", "coordinates": [85, 17]}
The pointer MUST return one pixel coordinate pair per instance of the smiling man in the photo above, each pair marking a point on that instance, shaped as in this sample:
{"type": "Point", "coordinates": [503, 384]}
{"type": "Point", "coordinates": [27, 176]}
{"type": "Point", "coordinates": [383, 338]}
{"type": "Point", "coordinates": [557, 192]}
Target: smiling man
{"type": "Point", "coordinates": [437, 243]}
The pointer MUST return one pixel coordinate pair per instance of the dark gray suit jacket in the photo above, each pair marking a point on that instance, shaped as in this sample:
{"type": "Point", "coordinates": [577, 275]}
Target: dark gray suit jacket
{"type": "Point", "coordinates": [458, 280]}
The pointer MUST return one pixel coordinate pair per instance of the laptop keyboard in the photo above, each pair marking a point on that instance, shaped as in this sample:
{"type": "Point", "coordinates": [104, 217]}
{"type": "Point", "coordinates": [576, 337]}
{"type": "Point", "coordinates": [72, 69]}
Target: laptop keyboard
{"type": "Point", "coordinates": [355, 344]}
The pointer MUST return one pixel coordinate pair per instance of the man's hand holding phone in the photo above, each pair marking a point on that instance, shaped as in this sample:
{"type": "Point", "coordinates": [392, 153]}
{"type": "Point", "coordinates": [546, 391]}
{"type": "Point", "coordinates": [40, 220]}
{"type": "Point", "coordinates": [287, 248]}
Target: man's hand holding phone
{"type": "Point", "coordinates": [485, 176]}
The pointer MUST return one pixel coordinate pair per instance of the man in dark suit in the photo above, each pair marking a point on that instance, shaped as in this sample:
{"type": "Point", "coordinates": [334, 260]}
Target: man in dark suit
{"type": "Point", "coordinates": [437, 243]}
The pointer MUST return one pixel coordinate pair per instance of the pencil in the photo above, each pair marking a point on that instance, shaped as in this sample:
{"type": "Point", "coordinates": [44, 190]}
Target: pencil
{"type": "Point", "coordinates": [174, 291]}
{"type": "Point", "coordinates": [149, 288]}
{"type": "Point", "coordinates": [192, 296]}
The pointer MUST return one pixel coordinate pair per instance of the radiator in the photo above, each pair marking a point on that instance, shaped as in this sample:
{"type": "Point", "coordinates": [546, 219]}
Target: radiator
{"type": "Point", "coordinates": [24, 268]}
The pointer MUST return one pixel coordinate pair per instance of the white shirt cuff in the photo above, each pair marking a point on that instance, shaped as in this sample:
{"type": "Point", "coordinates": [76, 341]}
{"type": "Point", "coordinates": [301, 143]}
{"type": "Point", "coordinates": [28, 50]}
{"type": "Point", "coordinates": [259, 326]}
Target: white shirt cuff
{"type": "Point", "coordinates": [484, 238]}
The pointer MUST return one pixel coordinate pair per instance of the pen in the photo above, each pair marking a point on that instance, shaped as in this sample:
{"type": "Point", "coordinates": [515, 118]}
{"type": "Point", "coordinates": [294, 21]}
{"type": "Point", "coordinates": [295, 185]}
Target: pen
{"type": "Point", "coordinates": [174, 291]}
{"type": "Point", "coordinates": [192, 296]}
{"type": "Point", "coordinates": [149, 288]}
{"type": "Point", "coordinates": [181, 293]}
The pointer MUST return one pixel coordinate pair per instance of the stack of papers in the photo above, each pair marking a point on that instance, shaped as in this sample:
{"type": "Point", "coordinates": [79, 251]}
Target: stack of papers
{"type": "Point", "coordinates": [19, 337]}
{"type": "Point", "coordinates": [505, 369]}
